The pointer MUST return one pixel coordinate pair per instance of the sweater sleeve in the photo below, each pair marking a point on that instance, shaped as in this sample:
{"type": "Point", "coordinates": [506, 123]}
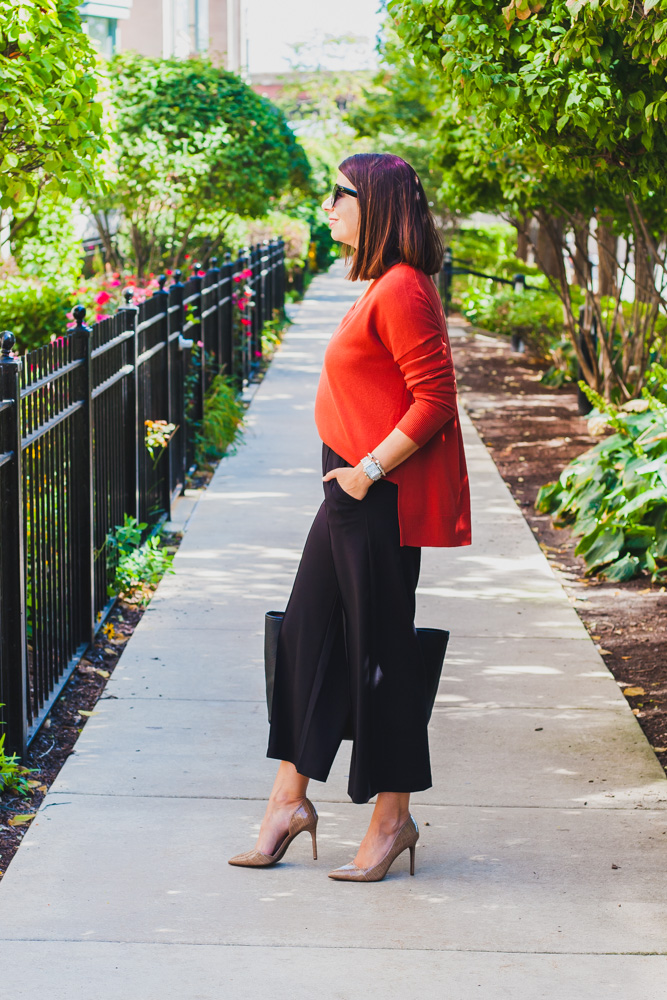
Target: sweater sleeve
{"type": "Point", "coordinates": [411, 328]}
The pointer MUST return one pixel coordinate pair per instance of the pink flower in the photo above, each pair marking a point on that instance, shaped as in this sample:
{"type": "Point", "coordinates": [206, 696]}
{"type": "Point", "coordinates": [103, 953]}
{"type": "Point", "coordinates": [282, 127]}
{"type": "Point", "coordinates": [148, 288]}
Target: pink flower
{"type": "Point", "coordinates": [258, 354]}
{"type": "Point", "coordinates": [247, 273]}
{"type": "Point", "coordinates": [241, 305]}
{"type": "Point", "coordinates": [237, 278]}
{"type": "Point", "coordinates": [168, 272]}
{"type": "Point", "coordinates": [246, 322]}
{"type": "Point", "coordinates": [101, 298]}
{"type": "Point", "coordinates": [200, 274]}
{"type": "Point", "coordinates": [114, 284]}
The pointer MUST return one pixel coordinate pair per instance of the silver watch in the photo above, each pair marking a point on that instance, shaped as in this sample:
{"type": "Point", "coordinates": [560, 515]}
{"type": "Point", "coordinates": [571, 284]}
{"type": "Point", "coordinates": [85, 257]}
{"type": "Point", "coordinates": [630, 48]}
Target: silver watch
{"type": "Point", "coordinates": [372, 467]}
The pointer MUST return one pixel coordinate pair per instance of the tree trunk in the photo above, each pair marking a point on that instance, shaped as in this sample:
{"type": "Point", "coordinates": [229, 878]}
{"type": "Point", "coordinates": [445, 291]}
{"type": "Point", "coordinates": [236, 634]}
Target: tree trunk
{"type": "Point", "coordinates": [522, 242]}
{"type": "Point", "coordinates": [607, 249]}
{"type": "Point", "coordinates": [581, 260]}
{"type": "Point", "coordinates": [549, 244]}
{"type": "Point", "coordinates": [644, 285]}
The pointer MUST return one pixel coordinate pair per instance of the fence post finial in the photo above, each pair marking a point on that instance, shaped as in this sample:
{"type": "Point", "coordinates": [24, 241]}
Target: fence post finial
{"type": "Point", "coordinates": [79, 314]}
{"type": "Point", "coordinates": [128, 295]}
{"type": "Point", "coordinates": [8, 341]}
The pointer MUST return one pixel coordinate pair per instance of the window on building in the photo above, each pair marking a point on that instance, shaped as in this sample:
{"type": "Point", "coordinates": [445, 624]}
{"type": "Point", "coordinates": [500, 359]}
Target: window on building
{"type": "Point", "coordinates": [103, 32]}
{"type": "Point", "coordinates": [198, 11]}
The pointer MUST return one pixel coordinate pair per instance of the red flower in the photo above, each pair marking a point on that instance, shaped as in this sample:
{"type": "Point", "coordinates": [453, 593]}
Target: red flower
{"type": "Point", "coordinates": [241, 305]}
{"type": "Point", "coordinates": [168, 272]}
{"type": "Point", "coordinates": [237, 278]}
{"type": "Point", "coordinates": [200, 274]}
{"type": "Point", "coordinates": [101, 298]}
{"type": "Point", "coordinates": [187, 256]}
{"type": "Point", "coordinates": [246, 322]}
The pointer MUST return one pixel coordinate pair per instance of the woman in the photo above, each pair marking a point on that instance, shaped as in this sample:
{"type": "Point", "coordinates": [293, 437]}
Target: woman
{"type": "Point", "coordinates": [348, 662]}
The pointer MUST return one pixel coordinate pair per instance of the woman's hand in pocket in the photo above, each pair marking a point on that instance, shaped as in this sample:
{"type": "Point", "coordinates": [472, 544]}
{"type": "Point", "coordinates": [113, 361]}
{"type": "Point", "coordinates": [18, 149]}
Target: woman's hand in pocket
{"type": "Point", "coordinates": [351, 480]}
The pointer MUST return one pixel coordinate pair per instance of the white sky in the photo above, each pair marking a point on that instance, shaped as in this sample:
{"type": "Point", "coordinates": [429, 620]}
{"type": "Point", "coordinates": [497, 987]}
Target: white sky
{"type": "Point", "coordinates": [273, 25]}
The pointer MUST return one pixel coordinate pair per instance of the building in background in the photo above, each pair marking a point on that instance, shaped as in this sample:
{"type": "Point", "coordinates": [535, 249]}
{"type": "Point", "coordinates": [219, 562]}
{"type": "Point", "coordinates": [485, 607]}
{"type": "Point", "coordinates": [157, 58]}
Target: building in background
{"type": "Point", "coordinates": [164, 28]}
{"type": "Point", "coordinates": [102, 22]}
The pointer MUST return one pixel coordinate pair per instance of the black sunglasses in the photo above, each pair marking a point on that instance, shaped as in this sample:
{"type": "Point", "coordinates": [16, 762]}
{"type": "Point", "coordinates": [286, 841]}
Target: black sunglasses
{"type": "Point", "coordinates": [338, 190]}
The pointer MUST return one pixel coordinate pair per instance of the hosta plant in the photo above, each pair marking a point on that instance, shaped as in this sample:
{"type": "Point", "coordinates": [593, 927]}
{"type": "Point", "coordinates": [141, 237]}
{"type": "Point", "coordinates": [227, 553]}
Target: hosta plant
{"type": "Point", "coordinates": [614, 496]}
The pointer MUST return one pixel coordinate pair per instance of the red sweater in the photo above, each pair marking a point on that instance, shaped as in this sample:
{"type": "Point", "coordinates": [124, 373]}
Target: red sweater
{"type": "Point", "coordinates": [389, 365]}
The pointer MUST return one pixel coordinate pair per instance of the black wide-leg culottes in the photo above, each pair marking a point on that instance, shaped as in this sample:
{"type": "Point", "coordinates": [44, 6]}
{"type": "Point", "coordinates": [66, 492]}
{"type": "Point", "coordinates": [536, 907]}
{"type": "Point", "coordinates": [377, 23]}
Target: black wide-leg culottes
{"type": "Point", "coordinates": [349, 663]}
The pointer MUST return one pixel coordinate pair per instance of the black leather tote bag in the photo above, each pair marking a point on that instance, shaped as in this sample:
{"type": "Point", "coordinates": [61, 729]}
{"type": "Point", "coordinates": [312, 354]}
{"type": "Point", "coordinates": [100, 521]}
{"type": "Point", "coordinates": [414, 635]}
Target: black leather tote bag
{"type": "Point", "coordinates": [433, 642]}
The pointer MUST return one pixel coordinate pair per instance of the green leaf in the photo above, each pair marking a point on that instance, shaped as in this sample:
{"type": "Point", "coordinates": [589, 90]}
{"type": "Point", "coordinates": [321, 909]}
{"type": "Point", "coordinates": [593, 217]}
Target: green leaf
{"type": "Point", "coordinates": [623, 569]}
{"type": "Point", "coordinates": [641, 500]}
{"type": "Point", "coordinates": [547, 497]}
{"type": "Point", "coordinates": [604, 547]}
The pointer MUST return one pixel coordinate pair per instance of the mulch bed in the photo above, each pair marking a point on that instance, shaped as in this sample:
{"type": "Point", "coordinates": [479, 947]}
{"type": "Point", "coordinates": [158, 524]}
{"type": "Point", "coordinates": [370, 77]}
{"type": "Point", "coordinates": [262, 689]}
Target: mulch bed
{"type": "Point", "coordinates": [532, 432]}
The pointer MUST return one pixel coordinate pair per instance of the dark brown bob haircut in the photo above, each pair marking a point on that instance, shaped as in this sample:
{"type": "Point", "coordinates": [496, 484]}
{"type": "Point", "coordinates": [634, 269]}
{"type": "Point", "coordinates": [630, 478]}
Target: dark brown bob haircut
{"type": "Point", "coordinates": [395, 223]}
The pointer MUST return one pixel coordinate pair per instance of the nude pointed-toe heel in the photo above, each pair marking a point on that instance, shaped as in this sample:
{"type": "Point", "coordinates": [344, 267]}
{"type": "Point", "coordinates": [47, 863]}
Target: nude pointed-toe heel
{"type": "Point", "coordinates": [303, 818]}
{"type": "Point", "coordinates": [405, 839]}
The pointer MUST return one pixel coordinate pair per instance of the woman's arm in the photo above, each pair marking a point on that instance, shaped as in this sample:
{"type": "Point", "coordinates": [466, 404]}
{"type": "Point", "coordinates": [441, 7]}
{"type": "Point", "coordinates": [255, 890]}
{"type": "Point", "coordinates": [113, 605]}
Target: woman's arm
{"type": "Point", "coordinates": [395, 448]}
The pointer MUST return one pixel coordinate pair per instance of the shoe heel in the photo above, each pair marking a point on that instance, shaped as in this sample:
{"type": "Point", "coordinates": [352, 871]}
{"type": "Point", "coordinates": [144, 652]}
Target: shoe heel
{"type": "Point", "coordinates": [313, 834]}
{"type": "Point", "coordinates": [412, 860]}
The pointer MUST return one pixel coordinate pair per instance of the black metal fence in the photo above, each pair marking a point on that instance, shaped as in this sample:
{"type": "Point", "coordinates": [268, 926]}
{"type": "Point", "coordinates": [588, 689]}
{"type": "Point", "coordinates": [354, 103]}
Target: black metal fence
{"type": "Point", "coordinates": [451, 266]}
{"type": "Point", "coordinates": [74, 462]}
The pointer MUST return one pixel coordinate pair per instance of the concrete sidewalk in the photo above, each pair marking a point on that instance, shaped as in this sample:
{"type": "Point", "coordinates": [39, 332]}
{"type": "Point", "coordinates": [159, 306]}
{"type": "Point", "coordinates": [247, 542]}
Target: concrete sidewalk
{"type": "Point", "coordinates": [543, 778]}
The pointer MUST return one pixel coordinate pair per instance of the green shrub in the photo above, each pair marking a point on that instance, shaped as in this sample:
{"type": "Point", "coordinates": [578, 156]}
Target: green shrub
{"type": "Point", "coordinates": [491, 249]}
{"type": "Point", "coordinates": [134, 568]}
{"type": "Point", "coordinates": [48, 246]}
{"type": "Point", "coordinates": [13, 775]}
{"type": "Point", "coordinates": [223, 419]}
{"type": "Point", "coordinates": [564, 364]}
{"type": "Point", "coordinates": [272, 334]}
{"type": "Point", "coordinates": [323, 249]}
{"type": "Point", "coordinates": [615, 495]}
{"type": "Point", "coordinates": [536, 316]}
{"type": "Point", "coordinates": [33, 311]}
{"type": "Point", "coordinates": [278, 225]}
